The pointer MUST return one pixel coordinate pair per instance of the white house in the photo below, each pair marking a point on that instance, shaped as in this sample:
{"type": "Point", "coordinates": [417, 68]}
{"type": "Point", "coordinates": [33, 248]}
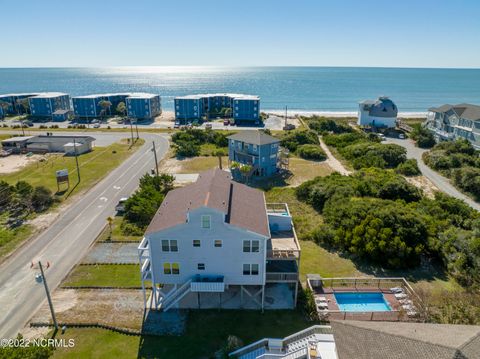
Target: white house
{"type": "Point", "coordinates": [377, 113]}
{"type": "Point", "coordinates": [216, 243]}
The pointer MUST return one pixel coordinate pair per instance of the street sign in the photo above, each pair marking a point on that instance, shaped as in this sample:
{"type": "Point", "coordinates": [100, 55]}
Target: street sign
{"type": "Point", "coordinates": [62, 177]}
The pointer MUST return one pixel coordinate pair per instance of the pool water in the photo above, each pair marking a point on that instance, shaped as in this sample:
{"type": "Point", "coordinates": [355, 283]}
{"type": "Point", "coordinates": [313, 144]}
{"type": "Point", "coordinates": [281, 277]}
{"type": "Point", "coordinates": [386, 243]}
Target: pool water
{"type": "Point", "coordinates": [362, 302]}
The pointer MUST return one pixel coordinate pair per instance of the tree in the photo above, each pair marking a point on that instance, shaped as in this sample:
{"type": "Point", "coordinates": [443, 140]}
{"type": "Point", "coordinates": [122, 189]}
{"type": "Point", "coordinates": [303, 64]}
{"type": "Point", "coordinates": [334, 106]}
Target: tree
{"type": "Point", "coordinates": [422, 136]}
{"type": "Point", "coordinates": [41, 198]}
{"type": "Point", "coordinates": [105, 105]}
{"type": "Point", "coordinates": [121, 108]}
{"type": "Point", "coordinates": [24, 104]}
{"type": "Point", "coordinates": [110, 224]}
{"type": "Point", "coordinates": [220, 153]}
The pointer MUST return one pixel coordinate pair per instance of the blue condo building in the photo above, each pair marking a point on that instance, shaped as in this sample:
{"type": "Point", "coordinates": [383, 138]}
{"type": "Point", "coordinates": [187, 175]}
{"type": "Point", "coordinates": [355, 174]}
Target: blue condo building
{"type": "Point", "coordinates": [50, 104]}
{"type": "Point", "coordinates": [12, 105]}
{"type": "Point", "coordinates": [256, 149]}
{"type": "Point", "coordinates": [242, 108]}
{"type": "Point", "coordinates": [143, 106]}
{"type": "Point", "coordinates": [89, 105]}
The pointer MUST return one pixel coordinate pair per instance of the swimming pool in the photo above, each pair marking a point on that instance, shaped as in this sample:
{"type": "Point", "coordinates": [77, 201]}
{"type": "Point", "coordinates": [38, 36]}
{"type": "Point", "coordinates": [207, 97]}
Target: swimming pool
{"type": "Point", "coordinates": [362, 302]}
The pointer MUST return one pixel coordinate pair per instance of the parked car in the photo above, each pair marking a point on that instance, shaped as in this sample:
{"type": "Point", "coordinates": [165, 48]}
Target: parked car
{"type": "Point", "coordinates": [381, 136]}
{"type": "Point", "coordinates": [96, 125]}
{"type": "Point", "coordinates": [28, 123]}
{"type": "Point", "coordinates": [120, 207]}
{"type": "Point", "coordinates": [226, 122]}
{"type": "Point", "coordinates": [95, 121]}
{"type": "Point", "coordinates": [177, 124]}
{"type": "Point", "coordinates": [401, 136]}
{"type": "Point", "coordinates": [208, 126]}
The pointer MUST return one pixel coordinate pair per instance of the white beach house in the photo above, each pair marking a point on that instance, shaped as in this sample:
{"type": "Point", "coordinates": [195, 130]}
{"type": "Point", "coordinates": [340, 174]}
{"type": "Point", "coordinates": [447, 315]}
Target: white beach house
{"type": "Point", "coordinates": [216, 243]}
{"type": "Point", "coordinates": [377, 113]}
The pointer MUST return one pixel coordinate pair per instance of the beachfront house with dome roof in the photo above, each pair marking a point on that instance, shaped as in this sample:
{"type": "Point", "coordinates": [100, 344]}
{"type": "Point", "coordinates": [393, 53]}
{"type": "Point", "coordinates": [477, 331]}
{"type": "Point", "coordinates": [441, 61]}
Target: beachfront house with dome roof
{"type": "Point", "coordinates": [381, 112]}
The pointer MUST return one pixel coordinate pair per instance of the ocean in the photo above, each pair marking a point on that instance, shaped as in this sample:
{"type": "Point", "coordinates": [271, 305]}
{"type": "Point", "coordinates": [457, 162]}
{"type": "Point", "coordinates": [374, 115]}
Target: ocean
{"type": "Point", "coordinates": [302, 89]}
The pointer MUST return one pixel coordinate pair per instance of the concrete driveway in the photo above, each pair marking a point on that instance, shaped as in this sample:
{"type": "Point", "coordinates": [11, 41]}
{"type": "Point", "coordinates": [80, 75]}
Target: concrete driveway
{"type": "Point", "coordinates": [68, 239]}
{"type": "Point", "coordinates": [438, 180]}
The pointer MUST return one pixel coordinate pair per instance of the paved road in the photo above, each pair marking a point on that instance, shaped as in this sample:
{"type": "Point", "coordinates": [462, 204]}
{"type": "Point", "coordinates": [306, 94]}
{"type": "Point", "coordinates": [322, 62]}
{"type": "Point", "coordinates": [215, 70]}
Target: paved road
{"type": "Point", "coordinates": [68, 239]}
{"type": "Point", "coordinates": [438, 180]}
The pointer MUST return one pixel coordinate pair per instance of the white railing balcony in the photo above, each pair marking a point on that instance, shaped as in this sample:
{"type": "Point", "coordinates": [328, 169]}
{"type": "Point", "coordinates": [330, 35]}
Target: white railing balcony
{"type": "Point", "coordinates": [207, 284]}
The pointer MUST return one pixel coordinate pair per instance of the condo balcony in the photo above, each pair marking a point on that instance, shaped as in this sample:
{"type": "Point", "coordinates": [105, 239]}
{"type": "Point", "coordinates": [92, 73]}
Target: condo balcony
{"type": "Point", "coordinates": [283, 244]}
{"type": "Point", "coordinates": [245, 157]}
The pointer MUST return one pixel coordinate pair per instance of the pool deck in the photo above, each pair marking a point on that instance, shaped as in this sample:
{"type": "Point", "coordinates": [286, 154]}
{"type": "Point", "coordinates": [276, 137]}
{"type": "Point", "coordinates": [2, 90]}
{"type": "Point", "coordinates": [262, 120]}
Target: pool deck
{"type": "Point", "coordinates": [329, 294]}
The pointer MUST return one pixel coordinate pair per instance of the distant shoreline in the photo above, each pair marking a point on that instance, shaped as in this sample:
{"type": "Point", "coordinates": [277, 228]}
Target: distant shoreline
{"type": "Point", "coordinates": [338, 113]}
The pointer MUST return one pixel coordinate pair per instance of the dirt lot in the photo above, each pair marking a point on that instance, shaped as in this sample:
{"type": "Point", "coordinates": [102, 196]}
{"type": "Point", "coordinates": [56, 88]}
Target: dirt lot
{"type": "Point", "coordinates": [15, 163]}
{"type": "Point", "coordinates": [424, 184]}
{"type": "Point", "coordinates": [118, 307]}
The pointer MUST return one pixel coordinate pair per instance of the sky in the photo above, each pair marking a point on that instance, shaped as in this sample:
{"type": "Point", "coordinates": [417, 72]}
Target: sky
{"type": "Point", "coordinates": [374, 33]}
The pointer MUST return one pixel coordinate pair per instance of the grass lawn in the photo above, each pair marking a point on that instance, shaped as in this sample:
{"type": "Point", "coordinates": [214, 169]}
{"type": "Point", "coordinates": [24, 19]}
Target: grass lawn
{"type": "Point", "coordinates": [207, 332]}
{"type": "Point", "coordinates": [93, 167]}
{"type": "Point", "coordinates": [117, 234]}
{"type": "Point", "coordinates": [9, 239]}
{"type": "Point", "coordinates": [209, 149]}
{"type": "Point", "coordinates": [315, 259]}
{"type": "Point", "coordinates": [304, 170]}
{"type": "Point", "coordinates": [104, 275]}
{"type": "Point", "coordinates": [199, 164]}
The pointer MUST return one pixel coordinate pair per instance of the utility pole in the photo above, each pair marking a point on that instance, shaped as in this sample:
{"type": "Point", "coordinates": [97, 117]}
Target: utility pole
{"type": "Point", "coordinates": [155, 155]}
{"type": "Point", "coordinates": [48, 296]}
{"type": "Point", "coordinates": [22, 124]}
{"type": "Point", "coordinates": [76, 158]}
{"type": "Point", "coordinates": [131, 129]}
{"type": "Point", "coordinates": [136, 127]}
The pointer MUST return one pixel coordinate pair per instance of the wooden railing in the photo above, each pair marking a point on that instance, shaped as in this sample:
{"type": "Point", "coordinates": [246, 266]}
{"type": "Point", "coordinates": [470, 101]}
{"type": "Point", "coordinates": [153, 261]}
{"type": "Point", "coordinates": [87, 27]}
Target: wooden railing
{"type": "Point", "coordinates": [281, 277]}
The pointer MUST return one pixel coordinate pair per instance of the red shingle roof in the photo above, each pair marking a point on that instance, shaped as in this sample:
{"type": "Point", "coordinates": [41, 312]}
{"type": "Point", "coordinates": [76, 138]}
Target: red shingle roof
{"type": "Point", "coordinates": [243, 206]}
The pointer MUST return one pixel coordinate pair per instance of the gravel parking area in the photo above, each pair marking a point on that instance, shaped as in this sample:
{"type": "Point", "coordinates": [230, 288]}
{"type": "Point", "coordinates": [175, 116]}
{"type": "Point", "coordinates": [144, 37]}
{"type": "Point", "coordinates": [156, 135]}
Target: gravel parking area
{"type": "Point", "coordinates": [112, 253]}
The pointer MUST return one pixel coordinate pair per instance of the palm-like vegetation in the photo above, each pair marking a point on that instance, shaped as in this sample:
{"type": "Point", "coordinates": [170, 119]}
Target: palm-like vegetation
{"type": "Point", "coordinates": [105, 105]}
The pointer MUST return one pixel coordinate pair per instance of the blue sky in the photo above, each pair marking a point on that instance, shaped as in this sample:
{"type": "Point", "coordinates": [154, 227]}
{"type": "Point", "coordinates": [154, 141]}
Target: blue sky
{"type": "Point", "coordinates": [406, 33]}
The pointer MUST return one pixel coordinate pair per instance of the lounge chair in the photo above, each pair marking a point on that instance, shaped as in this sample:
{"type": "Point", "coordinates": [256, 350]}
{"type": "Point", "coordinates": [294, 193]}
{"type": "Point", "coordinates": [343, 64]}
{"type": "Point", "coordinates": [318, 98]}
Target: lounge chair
{"type": "Point", "coordinates": [396, 290]}
{"type": "Point", "coordinates": [405, 301]}
{"type": "Point", "coordinates": [322, 305]}
{"type": "Point", "coordinates": [400, 295]}
{"type": "Point", "coordinates": [321, 299]}
{"type": "Point", "coordinates": [408, 307]}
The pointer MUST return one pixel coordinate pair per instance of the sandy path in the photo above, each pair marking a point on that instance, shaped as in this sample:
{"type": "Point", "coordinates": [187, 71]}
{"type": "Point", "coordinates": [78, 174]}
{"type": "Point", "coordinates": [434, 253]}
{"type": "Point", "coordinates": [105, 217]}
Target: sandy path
{"type": "Point", "coordinates": [335, 164]}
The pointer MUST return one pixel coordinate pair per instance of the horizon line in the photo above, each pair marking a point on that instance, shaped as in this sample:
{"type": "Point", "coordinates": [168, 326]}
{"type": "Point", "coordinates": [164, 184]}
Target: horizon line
{"type": "Point", "coordinates": [240, 66]}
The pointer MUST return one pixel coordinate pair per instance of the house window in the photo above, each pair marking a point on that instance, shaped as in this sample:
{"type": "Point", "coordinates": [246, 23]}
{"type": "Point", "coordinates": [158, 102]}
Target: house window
{"type": "Point", "coordinates": [196, 242]}
{"type": "Point", "coordinates": [254, 147]}
{"type": "Point", "coordinates": [169, 245]}
{"type": "Point", "coordinates": [201, 266]}
{"type": "Point", "coordinates": [167, 269]}
{"type": "Point", "coordinates": [251, 246]}
{"type": "Point", "coordinates": [250, 269]}
{"type": "Point", "coordinates": [206, 222]}
{"type": "Point", "coordinates": [175, 268]}
{"type": "Point", "coordinates": [217, 243]}
{"type": "Point", "coordinates": [165, 246]}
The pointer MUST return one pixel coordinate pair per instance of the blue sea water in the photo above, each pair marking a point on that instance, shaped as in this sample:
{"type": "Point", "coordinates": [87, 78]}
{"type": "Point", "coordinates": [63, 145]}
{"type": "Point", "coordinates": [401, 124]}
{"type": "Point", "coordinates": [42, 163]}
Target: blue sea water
{"type": "Point", "coordinates": [300, 88]}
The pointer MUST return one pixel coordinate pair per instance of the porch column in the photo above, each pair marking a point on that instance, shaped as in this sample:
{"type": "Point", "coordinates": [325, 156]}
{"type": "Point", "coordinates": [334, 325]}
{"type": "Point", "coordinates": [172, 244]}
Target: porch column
{"type": "Point", "coordinates": [263, 296]}
{"type": "Point", "coordinates": [296, 295]}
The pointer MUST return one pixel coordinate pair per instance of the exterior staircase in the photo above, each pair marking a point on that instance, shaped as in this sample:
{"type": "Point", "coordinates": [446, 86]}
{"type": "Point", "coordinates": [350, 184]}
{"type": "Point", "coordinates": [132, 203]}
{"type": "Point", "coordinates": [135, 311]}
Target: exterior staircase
{"type": "Point", "coordinates": [172, 299]}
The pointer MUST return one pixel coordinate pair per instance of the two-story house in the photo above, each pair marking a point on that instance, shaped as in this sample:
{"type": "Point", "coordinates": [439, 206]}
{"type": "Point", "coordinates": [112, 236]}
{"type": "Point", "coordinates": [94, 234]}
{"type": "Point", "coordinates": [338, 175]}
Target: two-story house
{"type": "Point", "coordinates": [216, 243]}
{"type": "Point", "coordinates": [256, 149]}
{"type": "Point", "coordinates": [453, 122]}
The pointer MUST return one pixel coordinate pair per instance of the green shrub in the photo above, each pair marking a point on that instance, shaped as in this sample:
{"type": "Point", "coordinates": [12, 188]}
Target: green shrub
{"type": "Point", "coordinates": [293, 139]}
{"type": "Point", "coordinates": [409, 168]}
{"type": "Point", "coordinates": [324, 125]}
{"type": "Point", "coordinates": [311, 152]}
{"type": "Point", "coordinates": [369, 154]}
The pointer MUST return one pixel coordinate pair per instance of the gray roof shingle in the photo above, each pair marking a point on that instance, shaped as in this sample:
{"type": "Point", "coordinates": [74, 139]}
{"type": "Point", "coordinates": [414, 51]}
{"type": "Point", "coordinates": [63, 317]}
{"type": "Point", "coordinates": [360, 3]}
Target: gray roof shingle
{"type": "Point", "coordinates": [401, 340]}
{"type": "Point", "coordinates": [254, 137]}
{"type": "Point", "coordinates": [243, 206]}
